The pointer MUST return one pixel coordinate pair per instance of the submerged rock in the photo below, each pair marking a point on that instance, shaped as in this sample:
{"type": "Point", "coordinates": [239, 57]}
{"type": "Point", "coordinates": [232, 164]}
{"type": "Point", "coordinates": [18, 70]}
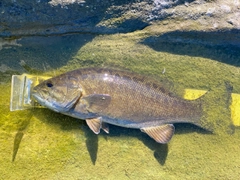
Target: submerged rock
{"type": "Point", "coordinates": [44, 17]}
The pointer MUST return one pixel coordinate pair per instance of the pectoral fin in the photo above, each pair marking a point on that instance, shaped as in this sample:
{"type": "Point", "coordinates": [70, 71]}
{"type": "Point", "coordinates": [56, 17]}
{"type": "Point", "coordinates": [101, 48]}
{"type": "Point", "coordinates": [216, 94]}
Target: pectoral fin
{"type": "Point", "coordinates": [96, 124]}
{"type": "Point", "coordinates": [162, 134]}
{"type": "Point", "coordinates": [97, 102]}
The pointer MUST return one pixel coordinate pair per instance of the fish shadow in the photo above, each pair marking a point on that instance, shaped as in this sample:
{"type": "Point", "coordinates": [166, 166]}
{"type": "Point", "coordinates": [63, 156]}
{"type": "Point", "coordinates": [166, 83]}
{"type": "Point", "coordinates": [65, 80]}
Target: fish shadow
{"type": "Point", "coordinates": [185, 128]}
{"type": "Point", "coordinates": [91, 143]}
{"type": "Point", "coordinates": [160, 151]}
{"type": "Point", "coordinates": [66, 123]}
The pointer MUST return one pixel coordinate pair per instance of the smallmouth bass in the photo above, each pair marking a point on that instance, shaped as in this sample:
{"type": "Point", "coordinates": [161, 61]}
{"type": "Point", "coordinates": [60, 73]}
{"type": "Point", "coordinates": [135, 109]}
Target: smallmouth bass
{"type": "Point", "coordinates": [105, 96]}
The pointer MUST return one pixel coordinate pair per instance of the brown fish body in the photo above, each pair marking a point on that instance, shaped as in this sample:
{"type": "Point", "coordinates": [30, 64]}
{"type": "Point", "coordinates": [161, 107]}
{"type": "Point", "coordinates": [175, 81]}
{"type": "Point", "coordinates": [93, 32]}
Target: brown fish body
{"type": "Point", "coordinates": [136, 101]}
{"type": "Point", "coordinates": [117, 97]}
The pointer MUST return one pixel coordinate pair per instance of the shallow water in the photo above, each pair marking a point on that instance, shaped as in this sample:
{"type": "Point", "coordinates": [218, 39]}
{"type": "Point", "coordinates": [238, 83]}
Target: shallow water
{"type": "Point", "coordinates": [49, 145]}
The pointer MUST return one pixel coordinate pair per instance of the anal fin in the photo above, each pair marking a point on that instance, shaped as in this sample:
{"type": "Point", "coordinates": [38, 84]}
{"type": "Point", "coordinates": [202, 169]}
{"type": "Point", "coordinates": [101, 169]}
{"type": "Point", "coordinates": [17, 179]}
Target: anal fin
{"type": "Point", "coordinates": [161, 134]}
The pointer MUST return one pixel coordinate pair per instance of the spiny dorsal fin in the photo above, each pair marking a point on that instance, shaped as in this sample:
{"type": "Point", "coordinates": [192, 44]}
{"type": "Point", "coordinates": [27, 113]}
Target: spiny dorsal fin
{"type": "Point", "coordinates": [162, 134]}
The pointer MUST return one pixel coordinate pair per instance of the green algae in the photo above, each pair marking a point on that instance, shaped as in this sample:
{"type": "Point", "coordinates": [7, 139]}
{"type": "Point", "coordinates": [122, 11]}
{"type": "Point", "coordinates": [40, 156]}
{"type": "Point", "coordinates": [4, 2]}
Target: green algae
{"type": "Point", "coordinates": [54, 146]}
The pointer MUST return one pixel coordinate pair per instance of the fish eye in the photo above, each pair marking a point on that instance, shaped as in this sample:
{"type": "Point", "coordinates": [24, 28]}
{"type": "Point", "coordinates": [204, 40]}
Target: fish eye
{"type": "Point", "coordinates": [49, 84]}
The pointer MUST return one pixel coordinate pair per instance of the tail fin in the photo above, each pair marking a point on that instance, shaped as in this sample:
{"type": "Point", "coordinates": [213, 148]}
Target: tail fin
{"type": "Point", "coordinates": [216, 110]}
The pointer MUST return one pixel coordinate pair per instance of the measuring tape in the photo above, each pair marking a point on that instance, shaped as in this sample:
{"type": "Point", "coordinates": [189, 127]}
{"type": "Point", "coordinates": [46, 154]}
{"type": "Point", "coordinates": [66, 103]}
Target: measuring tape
{"type": "Point", "coordinates": [192, 94]}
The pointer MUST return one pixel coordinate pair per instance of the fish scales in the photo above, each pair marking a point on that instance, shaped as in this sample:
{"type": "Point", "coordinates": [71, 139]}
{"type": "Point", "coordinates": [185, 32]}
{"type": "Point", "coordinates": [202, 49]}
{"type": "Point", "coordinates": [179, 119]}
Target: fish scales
{"type": "Point", "coordinates": [136, 98]}
{"type": "Point", "coordinates": [117, 97]}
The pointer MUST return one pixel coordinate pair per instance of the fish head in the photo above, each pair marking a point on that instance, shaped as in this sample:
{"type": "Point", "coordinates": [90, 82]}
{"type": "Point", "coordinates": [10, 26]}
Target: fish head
{"type": "Point", "coordinates": [60, 93]}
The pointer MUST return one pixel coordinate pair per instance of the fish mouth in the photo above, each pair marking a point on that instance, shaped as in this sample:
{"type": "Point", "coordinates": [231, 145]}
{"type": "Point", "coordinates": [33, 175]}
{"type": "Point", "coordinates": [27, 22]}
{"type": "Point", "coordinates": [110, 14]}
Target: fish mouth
{"type": "Point", "coordinates": [42, 101]}
{"type": "Point", "coordinates": [38, 97]}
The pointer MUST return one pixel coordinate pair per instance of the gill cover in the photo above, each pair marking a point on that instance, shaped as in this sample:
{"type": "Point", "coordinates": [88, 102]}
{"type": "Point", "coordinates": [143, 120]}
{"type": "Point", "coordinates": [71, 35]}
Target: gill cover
{"type": "Point", "coordinates": [60, 93]}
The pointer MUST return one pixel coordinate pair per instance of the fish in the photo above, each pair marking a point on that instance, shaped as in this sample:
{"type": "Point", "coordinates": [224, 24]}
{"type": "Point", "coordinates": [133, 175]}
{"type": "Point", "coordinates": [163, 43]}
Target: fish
{"type": "Point", "coordinates": [103, 96]}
